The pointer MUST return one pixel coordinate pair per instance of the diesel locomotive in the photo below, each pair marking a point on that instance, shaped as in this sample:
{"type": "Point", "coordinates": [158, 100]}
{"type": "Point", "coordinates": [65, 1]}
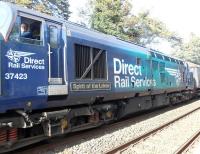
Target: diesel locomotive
{"type": "Point", "coordinates": [58, 77]}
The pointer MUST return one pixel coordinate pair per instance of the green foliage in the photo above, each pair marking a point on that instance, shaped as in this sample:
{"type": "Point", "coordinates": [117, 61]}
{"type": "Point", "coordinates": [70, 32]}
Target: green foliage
{"type": "Point", "coordinates": [62, 8]}
{"type": "Point", "coordinates": [114, 17]}
{"type": "Point", "coordinates": [24, 2]}
{"type": "Point", "coordinates": [42, 8]}
{"type": "Point", "coordinates": [108, 16]}
{"type": "Point", "coordinates": [190, 51]}
{"type": "Point", "coordinates": [145, 30]}
{"type": "Point", "coordinates": [20, 2]}
{"type": "Point", "coordinates": [58, 8]}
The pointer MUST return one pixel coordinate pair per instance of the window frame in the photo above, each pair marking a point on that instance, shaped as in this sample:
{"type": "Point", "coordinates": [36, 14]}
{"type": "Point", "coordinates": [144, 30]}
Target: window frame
{"type": "Point", "coordinates": [18, 20]}
{"type": "Point", "coordinates": [57, 39]}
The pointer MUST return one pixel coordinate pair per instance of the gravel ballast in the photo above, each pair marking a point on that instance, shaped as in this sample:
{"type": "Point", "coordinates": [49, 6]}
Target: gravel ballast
{"type": "Point", "coordinates": [169, 139]}
{"type": "Point", "coordinates": [110, 139]}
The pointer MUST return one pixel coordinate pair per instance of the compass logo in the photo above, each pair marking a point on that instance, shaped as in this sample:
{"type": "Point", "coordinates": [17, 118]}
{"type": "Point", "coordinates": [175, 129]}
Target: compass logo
{"type": "Point", "coordinates": [15, 56]}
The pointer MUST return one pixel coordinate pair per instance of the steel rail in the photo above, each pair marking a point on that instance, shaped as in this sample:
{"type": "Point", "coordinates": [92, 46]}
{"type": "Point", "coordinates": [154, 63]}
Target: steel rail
{"type": "Point", "coordinates": [188, 143]}
{"type": "Point", "coordinates": [122, 147]}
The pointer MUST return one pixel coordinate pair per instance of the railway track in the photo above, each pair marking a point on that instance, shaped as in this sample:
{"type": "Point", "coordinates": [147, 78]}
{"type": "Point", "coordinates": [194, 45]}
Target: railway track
{"type": "Point", "coordinates": [143, 137]}
{"type": "Point", "coordinates": [188, 143]}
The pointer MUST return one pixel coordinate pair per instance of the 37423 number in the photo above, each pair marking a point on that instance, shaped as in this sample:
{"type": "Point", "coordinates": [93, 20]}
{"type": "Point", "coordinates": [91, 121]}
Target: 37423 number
{"type": "Point", "coordinates": [17, 76]}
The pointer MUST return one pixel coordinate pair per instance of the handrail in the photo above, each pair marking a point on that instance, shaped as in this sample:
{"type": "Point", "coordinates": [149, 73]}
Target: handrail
{"type": "Point", "coordinates": [49, 53]}
{"type": "Point", "coordinates": [65, 64]}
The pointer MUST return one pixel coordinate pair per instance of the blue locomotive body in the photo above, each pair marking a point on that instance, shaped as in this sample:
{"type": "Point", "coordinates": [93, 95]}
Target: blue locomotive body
{"type": "Point", "coordinates": [63, 77]}
{"type": "Point", "coordinates": [22, 76]}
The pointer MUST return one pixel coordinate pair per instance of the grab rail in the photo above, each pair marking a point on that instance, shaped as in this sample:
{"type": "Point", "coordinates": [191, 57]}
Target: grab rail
{"type": "Point", "coordinates": [49, 53]}
{"type": "Point", "coordinates": [65, 64]}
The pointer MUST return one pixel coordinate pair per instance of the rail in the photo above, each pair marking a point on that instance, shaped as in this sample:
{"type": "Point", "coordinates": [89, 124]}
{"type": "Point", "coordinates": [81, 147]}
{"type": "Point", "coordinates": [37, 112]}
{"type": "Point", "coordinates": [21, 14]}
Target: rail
{"type": "Point", "coordinates": [188, 143]}
{"type": "Point", "coordinates": [148, 134]}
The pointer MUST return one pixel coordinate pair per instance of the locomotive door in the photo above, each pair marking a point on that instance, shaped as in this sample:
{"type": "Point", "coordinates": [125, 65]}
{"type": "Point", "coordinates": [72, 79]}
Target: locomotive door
{"type": "Point", "coordinates": [54, 51]}
{"type": "Point", "coordinates": [56, 58]}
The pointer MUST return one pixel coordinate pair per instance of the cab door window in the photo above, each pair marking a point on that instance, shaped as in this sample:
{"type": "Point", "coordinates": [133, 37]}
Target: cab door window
{"type": "Point", "coordinates": [53, 36]}
{"type": "Point", "coordinates": [28, 31]}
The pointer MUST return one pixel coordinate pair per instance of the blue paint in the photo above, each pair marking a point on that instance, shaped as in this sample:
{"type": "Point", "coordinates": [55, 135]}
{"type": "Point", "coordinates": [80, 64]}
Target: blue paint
{"type": "Point", "coordinates": [138, 78]}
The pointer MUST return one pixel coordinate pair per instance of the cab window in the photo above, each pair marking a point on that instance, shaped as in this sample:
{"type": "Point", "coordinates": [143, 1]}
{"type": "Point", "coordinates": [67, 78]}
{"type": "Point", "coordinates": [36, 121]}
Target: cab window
{"type": "Point", "coordinates": [27, 31]}
{"type": "Point", "coordinates": [53, 36]}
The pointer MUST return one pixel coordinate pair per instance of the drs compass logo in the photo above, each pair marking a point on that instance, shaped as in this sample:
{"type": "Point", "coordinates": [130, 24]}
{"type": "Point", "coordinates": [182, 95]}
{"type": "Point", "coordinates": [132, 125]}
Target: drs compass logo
{"type": "Point", "coordinates": [23, 60]}
{"type": "Point", "coordinates": [15, 56]}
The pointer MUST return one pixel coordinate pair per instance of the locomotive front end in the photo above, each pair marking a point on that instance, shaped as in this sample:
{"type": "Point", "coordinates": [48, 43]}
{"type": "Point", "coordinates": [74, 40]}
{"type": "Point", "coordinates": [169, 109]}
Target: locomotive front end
{"type": "Point", "coordinates": [6, 23]}
{"type": "Point", "coordinates": [21, 62]}
{"type": "Point", "coordinates": [7, 15]}
{"type": "Point", "coordinates": [23, 78]}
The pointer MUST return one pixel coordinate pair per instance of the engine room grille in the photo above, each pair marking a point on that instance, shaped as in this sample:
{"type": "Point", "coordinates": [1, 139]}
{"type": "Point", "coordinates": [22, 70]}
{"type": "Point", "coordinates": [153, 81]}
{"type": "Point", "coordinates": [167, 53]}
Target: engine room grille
{"type": "Point", "coordinates": [99, 70]}
{"type": "Point", "coordinates": [82, 60]}
{"type": "Point", "coordinates": [90, 63]}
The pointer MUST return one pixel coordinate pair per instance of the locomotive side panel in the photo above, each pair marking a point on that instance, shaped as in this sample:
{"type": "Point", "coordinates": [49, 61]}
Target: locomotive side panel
{"type": "Point", "coordinates": [125, 71]}
{"type": "Point", "coordinates": [168, 72]}
{"type": "Point", "coordinates": [23, 62]}
{"type": "Point", "coordinates": [131, 71]}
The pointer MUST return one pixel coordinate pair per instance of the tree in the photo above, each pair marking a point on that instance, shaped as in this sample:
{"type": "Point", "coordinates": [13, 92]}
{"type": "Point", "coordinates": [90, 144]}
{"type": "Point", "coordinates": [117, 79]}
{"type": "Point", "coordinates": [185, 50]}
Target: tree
{"type": "Point", "coordinates": [58, 8]}
{"type": "Point", "coordinates": [108, 16]}
{"type": "Point", "coordinates": [20, 2]}
{"type": "Point", "coordinates": [114, 17]}
{"type": "Point", "coordinates": [190, 51]}
{"type": "Point", "coordinates": [145, 30]}
{"type": "Point", "coordinates": [63, 8]}
{"type": "Point", "coordinates": [23, 2]}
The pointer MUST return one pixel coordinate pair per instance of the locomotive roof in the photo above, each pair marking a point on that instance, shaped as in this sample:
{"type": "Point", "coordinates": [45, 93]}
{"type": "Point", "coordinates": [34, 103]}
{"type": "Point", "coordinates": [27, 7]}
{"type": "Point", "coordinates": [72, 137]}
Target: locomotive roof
{"type": "Point", "coordinates": [79, 29]}
{"type": "Point", "coordinates": [104, 38]}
